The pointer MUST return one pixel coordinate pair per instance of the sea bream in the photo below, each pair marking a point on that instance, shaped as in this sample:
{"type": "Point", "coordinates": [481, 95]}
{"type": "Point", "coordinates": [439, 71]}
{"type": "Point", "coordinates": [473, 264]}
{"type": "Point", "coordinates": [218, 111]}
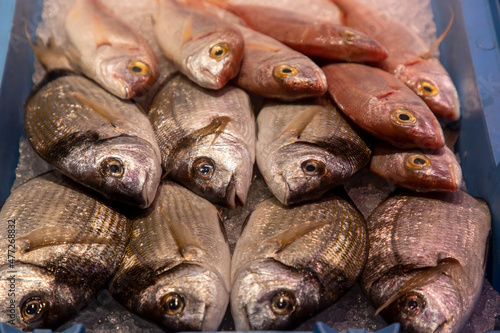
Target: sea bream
{"type": "Point", "coordinates": [93, 137]}
{"type": "Point", "coordinates": [306, 148]}
{"type": "Point", "coordinates": [108, 50]}
{"type": "Point", "coordinates": [426, 261]}
{"type": "Point", "coordinates": [176, 267]}
{"type": "Point", "coordinates": [206, 138]}
{"type": "Point", "coordinates": [292, 262]}
{"type": "Point", "coordinates": [60, 246]}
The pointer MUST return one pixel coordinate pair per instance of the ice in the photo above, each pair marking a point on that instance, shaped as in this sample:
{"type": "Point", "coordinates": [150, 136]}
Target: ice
{"type": "Point", "coordinates": [30, 164]}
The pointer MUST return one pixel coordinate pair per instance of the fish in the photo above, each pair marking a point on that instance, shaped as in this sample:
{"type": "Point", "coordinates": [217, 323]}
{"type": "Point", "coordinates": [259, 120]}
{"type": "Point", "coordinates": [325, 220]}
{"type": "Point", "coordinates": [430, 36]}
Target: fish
{"type": "Point", "coordinates": [60, 247]}
{"type": "Point", "coordinates": [416, 169]}
{"type": "Point", "coordinates": [107, 50]}
{"type": "Point", "coordinates": [426, 261]}
{"type": "Point", "coordinates": [409, 58]}
{"type": "Point", "coordinates": [176, 269]}
{"type": "Point", "coordinates": [292, 262]}
{"type": "Point", "coordinates": [202, 47]}
{"type": "Point", "coordinates": [93, 137]}
{"type": "Point", "coordinates": [206, 138]}
{"type": "Point", "coordinates": [306, 148]}
{"type": "Point", "coordinates": [383, 106]}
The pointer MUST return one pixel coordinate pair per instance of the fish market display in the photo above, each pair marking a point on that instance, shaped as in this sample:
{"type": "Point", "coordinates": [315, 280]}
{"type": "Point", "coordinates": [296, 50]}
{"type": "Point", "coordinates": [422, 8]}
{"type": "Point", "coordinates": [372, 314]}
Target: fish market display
{"type": "Point", "coordinates": [93, 137]}
{"type": "Point", "coordinates": [291, 263]}
{"type": "Point", "coordinates": [409, 58]}
{"type": "Point", "coordinates": [426, 260]}
{"type": "Point", "coordinates": [416, 169]}
{"type": "Point", "coordinates": [204, 48]}
{"type": "Point", "coordinates": [60, 247]}
{"type": "Point", "coordinates": [108, 50]}
{"type": "Point", "coordinates": [176, 268]}
{"type": "Point", "coordinates": [383, 106]}
{"type": "Point", "coordinates": [207, 139]}
{"type": "Point", "coordinates": [306, 148]}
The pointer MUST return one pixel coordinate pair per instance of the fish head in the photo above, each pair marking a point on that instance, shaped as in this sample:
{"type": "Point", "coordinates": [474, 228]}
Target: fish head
{"type": "Point", "coordinates": [359, 47]}
{"type": "Point", "coordinates": [429, 80]}
{"type": "Point", "coordinates": [125, 169]}
{"type": "Point", "coordinates": [298, 78]}
{"type": "Point", "coordinates": [267, 295]}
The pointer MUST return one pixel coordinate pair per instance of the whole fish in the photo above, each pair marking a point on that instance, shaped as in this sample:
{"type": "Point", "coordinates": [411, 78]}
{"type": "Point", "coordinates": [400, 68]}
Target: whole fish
{"type": "Point", "coordinates": [416, 169]}
{"type": "Point", "coordinates": [426, 261]}
{"type": "Point", "coordinates": [108, 50]}
{"type": "Point", "coordinates": [307, 148]}
{"type": "Point", "coordinates": [176, 267]}
{"type": "Point", "coordinates": [409, 58]}
{"type": "Point", "coordinates": [383, 106]}
{"type": "Point", "coordinates": [204, 48]}
{"type": "Point", "coordinates": [206, 138]}
{"type": "Point", "coordinates": [292, 262]}
{"type": "Point", "coordinates": [60, 246]}
{"type": "Point", "coordinates": [95, 138]}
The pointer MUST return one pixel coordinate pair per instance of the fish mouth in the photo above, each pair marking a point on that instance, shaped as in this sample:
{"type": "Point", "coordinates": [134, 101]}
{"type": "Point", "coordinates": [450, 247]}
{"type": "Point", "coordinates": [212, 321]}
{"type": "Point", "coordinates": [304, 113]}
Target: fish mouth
{"type": "Point", "coordinates": [233, 198]}
{"type": "Point", "coordinates": [441, 327]}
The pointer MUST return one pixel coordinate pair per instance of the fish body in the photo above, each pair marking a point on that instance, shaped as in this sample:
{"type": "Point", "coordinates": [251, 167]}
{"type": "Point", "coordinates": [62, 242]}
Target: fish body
{"type": "Point", "coordinates": [292, 262]}
{"type": "Point", "coordinates": [63, 246]}
{"type": "Point", "coordinates": [109, 51]}
{"type": "Point", "coordinates": [202, 47]}
{"type": "Point", "coordinates": [307, 148]}
{"type": "Point", "coordinates": [206, 138]}
{"type": "Point", "coordinates": [426, 260]}
{"type": "Point", "coordinates": [93, 137]}
{"type": "Point", "coordinates": [383, 106]}
{"type": "Point", "coordinates": [416, 169]}
{"type": "Point", "coordinates": [176, 268]}
{"type": "Point", "coordinates": [408, 58]}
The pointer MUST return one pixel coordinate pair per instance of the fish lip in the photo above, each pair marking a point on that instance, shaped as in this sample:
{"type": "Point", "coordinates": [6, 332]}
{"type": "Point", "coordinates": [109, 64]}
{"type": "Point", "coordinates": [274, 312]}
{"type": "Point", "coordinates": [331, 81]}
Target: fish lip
{"type": "Point", "coordinates": [441, 327]}
{"type": "Point", "coordinates": [233, 199]}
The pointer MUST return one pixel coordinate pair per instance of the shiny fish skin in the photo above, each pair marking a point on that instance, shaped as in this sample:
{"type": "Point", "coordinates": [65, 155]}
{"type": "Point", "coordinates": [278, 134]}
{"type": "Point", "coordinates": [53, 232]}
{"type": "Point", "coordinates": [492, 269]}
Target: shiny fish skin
{"type": "Point", "coordinates": [416, 169]}
{"type": "Point", "coordinates": [409, 234]}
{"type": "Point", "coordinates": [207, 139]}
{"type": "Point", "coordinates": [179, 248]}
{"type": "Point", "coordinates": [108, 50]}
{"type": "Point", "coordinates": [87, 134]}
{"type": "Point", "coordinates": [300, 259]}
{"type": "Point", "coordinates": [68, 245]}
{"type": "Point", "coordinates": [285, 149]}
{"type": "Point", "coordinates": [383, 106]}
{"type": "Point", "coordinates": [407, 58]}
{"type": "Point", "coordinates": [204, 48]}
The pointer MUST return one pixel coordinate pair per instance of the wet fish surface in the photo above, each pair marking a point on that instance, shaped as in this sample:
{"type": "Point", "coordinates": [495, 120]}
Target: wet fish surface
{"type": "Point", "coordinates": [206, 138]}
{"type": "Point", "coordinates": [93, 137]}
{"type": "Point", "coordinates": [292, 262]}
{"type": "Point", "coordinates": [426, 260]}
{"type": "Point", "coordinates": [177, 264]}
{"type": "Point", "coordinates": [63, 246]}
{"type": "Point", "coordinates": [383, 106]}
{"type": "Point", "coordinates": [306, 148]}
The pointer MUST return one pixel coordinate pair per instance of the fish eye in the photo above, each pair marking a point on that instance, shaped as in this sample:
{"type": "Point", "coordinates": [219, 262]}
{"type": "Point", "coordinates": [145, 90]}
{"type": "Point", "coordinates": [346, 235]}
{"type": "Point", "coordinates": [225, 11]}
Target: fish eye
{"type": "Point", "coordinates": [285, 71]}
{"type": "Point", "coordinates": [349, 35]}
{"type": "Point", "coordinates": [426, 88]}
{"type": "Point", "coordinates": [417, 162]}
{"type": "Point", "coordinates": [172, 303]}
{"type": "Point", "coordinates": [403, 117]}
{"type": "Point", "coordinates": [219, 51]}
{"type": "Point", "coordinates": [283, 303]}
{"type": "Point", "coordinates": [204, 168]}
{"type": "Point", "coordinates": [411, 304]}
{"type": "Point", "coordinates": [138, 67]}
{"type": "Point", "coordinates": [112, 167]}
{"type": "Point", "coordinates": [33, 309]}
{"type": "Point", "coordinates": [313, 167]}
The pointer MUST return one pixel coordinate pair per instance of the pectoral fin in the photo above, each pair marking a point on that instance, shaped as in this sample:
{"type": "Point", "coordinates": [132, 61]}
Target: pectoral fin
{"type": "Point", "coordinates": [299, 123]}
{"type": "Point", "coordinates": [99, 32]}
{"type": "Point", "coordinates": [114, 118]}
{"type": "Point", "coordinates": [187, 33]}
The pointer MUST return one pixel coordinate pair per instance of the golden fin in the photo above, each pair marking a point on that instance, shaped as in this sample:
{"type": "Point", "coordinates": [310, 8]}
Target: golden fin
{"type": "Point", "coordinates": [299, 123]}
{"type": "Point", "coordinates": [263, 46]}
{"type": "Point", "coordinates": [285, 238]}
{"type": "Point", "coordinates": [187, 33]}
{"type": "Point", "coordinates": [221, 123]}
{"type": "Point", "coordinates": [113, 119]}
{"type": "Point", "coordinates": [99, 32]}
{"type": "Point", "coordinates": [438, 41]}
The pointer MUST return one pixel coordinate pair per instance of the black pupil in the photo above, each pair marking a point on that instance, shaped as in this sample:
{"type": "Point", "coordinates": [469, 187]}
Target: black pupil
{"type": "Point", "coordinates": [114, 168]}
{"type": "Point", "coordinates": [404, 117]}
{"type": "Point", "coordinates": [32, 308]}
{"type": "Point", "coordinates": [174, 303]}
{"type": "Point", "coordinates": [282, 303]}
{"type": "Point", "coordinates": [286, 70]}
{"type": "Point", "coordinates": [219, 52]}
{"type": "Point", "coordinates": [412, 304]}
{"type": "Point", "coordinates": [205, 169]}
{"type": "Point", "coordinates": [419, 161]}
{"type": "Point", "coordinates": [428, 89]}
{"type": "Point", "coordinates": [137, 69]}
{"type": "Point", "coordinates": [311, 167]}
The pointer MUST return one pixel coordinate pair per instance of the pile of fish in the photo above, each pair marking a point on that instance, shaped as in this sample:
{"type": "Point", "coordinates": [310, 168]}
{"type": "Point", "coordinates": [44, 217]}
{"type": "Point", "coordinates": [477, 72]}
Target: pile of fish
{"type": "Point", "coordinates": [136, 200]}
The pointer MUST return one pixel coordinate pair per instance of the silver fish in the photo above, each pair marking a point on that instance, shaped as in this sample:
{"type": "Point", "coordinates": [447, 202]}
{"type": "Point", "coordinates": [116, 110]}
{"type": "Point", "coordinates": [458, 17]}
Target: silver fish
{"type": "Point", "coordinates": [291, 263]}
{"type": "Point", "coordinates": [95, 138]}
{"type": "Point", "coordinates": [306, 148]}
{"type": "Point", "coordinates": [60, 247]}
{"type": "Point", "coordinates": [426, 260]}
{"type": "Point", "coordinates": [176, 268]}
{"type": "Point", "coordinates": [207, 139]}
